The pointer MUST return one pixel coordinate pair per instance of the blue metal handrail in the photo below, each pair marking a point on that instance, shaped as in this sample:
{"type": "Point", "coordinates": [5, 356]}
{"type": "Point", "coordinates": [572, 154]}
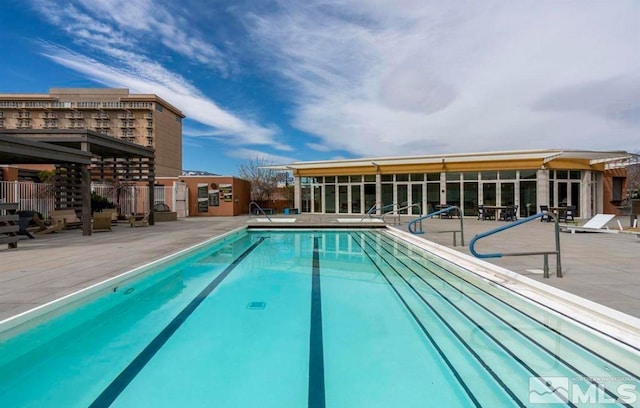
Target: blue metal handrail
{"type": "Point", "coordinates": [397, 211]}
{"type": "Point", "coordinates": [412, 229]}
{"type": "Point", "coordinates": [259, 209]}
{"type": "Point", "coordinates": [375, 208]}
{"type": "Point", "coordinates": [515, 224]}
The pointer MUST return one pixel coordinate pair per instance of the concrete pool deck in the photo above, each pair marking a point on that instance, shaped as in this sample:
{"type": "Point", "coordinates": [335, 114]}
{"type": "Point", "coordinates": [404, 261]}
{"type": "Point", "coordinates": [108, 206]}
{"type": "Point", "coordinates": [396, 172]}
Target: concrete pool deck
{"type": "Point", "coordinates": [604, 268]}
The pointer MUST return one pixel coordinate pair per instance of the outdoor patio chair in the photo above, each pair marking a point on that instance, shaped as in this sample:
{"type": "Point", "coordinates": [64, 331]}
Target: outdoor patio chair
{"type": "Point", "coordinates": [510, 213]}
{"type": "Point", "coordinates": [545, 217]}
{"type": "Point", "coordinates": [483, 214]}
{"type": "Point", "coordinates": [139, 220]}
{"type": "Point", "coordinates": [102, 221]}
{"type": "Point", "coordinates": [68, 216]}
{"type": "Point", "coordinates": [43, 228]}
{"type": "Point", "coordinates": [567, 214]}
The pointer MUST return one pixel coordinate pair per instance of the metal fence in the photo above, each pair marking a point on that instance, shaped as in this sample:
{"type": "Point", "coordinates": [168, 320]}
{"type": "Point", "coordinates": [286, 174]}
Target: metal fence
{"type": "Point", "coordinates": [40, 197]}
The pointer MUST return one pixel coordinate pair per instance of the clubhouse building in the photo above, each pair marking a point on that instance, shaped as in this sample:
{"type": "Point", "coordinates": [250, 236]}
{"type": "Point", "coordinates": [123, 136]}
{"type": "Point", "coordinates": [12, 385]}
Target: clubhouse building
{"type": "Point", "coordinates": [592, 181]}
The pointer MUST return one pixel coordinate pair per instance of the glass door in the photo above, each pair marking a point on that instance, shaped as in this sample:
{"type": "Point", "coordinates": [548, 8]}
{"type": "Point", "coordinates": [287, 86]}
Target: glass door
{"type": "Point", "coordinates": [343, 199]}
{"type": "Point", "coordinates": [453, 194]}
{"type": "Point", "coordinates": [317, 199]}
{"type": "Point", "coordinates": [528, 203]}
{"type": "Point", "coordinates": [416, 199]}
{"type": "Point", "coordinates": [507, 194]}
{"type": "Point", "coordinates": [433, 197]}
{"type": "Point", "coordinates": [330, 199]}
{"type": "Point", "coordinates": [402, 200]}
{"type": "Point", "coordinates": [489, 193]}
{"type": "Point", "coordinates": [369, 196]}
{"type": "Point", "coordinates": [387, 198]}
{"type": "Point", "coordinates": [356, 199]}
{"type": "Point", "coordinates": [470, 199]}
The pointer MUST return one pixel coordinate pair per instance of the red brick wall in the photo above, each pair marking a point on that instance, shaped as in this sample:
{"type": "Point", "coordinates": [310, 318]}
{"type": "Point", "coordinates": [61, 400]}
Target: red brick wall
{"type": "Point", "coordinates": [240, 198]}
{"type": "Point", "coordinates": [608, 206]}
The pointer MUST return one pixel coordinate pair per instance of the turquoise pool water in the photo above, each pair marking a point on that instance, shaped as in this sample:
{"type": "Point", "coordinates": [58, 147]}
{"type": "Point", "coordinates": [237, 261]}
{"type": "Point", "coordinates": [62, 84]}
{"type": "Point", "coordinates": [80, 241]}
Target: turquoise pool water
{"type": "Point", "coordinates": [312, 318]}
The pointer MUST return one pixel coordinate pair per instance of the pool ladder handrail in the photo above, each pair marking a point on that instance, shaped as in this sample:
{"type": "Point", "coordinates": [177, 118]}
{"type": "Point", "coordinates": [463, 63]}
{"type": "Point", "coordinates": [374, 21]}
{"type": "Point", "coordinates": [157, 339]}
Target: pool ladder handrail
{"type": "Point", "coordinates": [259, 209]}
{"type": "Point", "coordinates": [515, 224]}
{"type": "Point", "coordinates": [374, 208]}
{"type": "Point", "coordinates": [397, 212]}
{"type": "Point", "coordinates": [412, 225]}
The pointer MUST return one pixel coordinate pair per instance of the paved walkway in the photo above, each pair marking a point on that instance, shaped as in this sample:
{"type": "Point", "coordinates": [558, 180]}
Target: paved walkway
{"type": "Point", "coordinates": [602, 267]}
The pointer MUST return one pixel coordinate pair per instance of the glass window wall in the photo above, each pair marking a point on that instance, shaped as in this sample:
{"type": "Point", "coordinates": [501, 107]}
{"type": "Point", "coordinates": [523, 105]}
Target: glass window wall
{"type": "Point", "coordinates": [330, 199]}
{"type": "Point", "coordinates": [387, 197]}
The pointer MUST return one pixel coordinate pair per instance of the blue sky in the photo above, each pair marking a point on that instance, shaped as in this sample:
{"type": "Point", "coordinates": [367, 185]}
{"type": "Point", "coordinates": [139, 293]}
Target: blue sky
{"type": "Point", "coordinates": [305, 80]}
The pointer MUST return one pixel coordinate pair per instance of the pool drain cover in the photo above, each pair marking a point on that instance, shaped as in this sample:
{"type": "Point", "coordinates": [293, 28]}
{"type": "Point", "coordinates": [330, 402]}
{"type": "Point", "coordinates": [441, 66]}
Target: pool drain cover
{"type": "Point", "coordinates": [256, 305]}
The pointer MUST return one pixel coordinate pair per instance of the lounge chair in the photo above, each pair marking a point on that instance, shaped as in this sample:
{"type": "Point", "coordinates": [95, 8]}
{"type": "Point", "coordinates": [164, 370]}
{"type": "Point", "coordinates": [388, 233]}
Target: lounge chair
{"type": "Point", "coordinates": [68, 216]}
{"type": "Point", "coordinates": [47, 229]}
{"type": "Point", "coordinates": [102, 221]}
{"type": "Point", "coordinates": [139, 220]}
{"type": "Point", "coordinates": [595, 224]}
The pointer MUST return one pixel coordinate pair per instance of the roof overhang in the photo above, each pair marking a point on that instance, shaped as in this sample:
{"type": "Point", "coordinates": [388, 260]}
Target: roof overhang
{"type": "Point", "coordinates": [98, 143]}
{"type": "Point", "coordinates": [544, 156]}
{"type": "Point", "coordinates": [16, 150]}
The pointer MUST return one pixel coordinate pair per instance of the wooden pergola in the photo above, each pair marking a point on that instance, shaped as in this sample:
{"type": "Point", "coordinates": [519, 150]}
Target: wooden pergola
{"type": "Point", "coordinates": [81, 155]}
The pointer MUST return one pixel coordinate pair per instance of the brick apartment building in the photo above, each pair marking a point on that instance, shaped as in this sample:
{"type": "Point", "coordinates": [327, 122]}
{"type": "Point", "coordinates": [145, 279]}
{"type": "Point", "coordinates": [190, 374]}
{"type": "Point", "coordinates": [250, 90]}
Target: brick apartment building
{"type": "Point", "coordinates": [145, 119]}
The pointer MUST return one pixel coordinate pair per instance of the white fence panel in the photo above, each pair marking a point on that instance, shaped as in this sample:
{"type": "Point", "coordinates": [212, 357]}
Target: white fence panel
{"type": "Point", "coordinates": [130, 199]}
{"type": "Point", "coordinates": [38, 197]}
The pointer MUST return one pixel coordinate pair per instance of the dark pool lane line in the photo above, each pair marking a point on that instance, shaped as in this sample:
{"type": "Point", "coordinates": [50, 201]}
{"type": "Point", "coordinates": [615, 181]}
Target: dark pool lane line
{"type": "Point", "coordinates": [593, 353]}
{"type": "Point", "coordinates": [523, 364]}
{"type": "Point", "coordinates": [440, 352]}
{"type": "Point", "coordinates": [109, 395]}
{"type": "Point", "coordinates": [551, 353]}
{"type": "Point", "coordinates": [316, 351]}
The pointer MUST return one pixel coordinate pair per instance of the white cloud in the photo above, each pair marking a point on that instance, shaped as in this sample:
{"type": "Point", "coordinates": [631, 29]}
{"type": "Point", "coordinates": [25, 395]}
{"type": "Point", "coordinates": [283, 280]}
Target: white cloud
{"type": "Point", "coordinates": [318, 147]}
{"type": "Point", "coordinates": [130, 24]}
{"type": "Point", "coordinates": [416, 76]}
{"type": "Point", "coordinates": [143, 76]}
{"type": "Point", "coordinates": [252, 154]}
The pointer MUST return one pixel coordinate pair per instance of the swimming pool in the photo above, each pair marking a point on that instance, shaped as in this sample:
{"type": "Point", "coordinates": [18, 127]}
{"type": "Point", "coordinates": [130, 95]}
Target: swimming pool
{"type": "Point", "coordinates": [349, 318]}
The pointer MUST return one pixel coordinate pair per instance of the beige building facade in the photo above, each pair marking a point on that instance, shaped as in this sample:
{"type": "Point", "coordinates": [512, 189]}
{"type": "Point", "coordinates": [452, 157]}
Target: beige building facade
{"type": "Point", "coordinates": [144, 119]}
{"type": "Point", "coordinates": [418, 185]}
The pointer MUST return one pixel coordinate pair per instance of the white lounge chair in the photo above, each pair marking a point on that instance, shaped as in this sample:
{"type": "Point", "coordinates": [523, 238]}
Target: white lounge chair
{"type": "Point", "coordinates": [595, 224]}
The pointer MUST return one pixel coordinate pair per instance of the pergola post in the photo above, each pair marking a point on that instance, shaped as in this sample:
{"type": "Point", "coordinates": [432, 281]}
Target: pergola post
{"type": "Point", "coordinates": [86, 199]}
{"type": "Point", "coordinates": [85, 193]}
{"type": "Point", "coordinates": [152, 198]}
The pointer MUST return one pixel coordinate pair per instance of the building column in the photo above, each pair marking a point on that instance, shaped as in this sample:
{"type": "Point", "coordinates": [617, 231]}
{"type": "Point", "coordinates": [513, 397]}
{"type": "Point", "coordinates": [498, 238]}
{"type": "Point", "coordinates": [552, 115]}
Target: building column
{"type": "Point", "coordinates": [443, 187]}
{"type": "Point", "coordinates": [542, 188]}
{"type": "Point", "coordinates": [297, 194]}
{"type": "Point", "coordinates": [378, 192]}
{"type": "Point", "coordinates": [591, 194]}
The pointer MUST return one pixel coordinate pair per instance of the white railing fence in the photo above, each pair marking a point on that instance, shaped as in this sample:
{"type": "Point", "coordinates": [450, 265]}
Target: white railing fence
{"type": "Point", "coordinates": [40, 197]}
{"type": "Point", "coordinates": [129, 199]}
